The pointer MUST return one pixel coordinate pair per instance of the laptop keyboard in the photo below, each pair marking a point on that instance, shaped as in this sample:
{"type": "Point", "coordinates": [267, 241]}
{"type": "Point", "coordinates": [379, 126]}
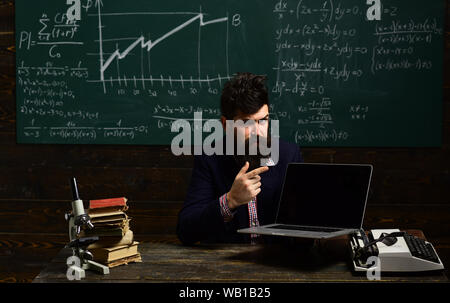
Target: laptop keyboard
{"type": "Point", "coordinates": [305, 228]}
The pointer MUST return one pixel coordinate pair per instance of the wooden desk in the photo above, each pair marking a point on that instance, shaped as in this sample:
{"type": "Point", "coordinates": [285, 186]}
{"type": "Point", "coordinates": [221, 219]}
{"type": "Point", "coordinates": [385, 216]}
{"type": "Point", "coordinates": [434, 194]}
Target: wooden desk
{"type": "Point", "coordinates": [327, 261]}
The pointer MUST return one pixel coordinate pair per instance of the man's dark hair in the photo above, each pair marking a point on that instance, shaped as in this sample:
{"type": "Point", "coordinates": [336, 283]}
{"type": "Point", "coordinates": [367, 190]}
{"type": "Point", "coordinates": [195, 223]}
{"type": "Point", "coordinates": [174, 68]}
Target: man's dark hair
{"type": "Point", "coordinates": [244, 94]}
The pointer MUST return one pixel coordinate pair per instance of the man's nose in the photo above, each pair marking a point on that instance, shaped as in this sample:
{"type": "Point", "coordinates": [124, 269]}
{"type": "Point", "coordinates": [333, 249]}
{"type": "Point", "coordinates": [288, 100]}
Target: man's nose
{"type": "Point", "coordinates": [260, 129]}
{"type": "Point", "coordinates": [255, 129]}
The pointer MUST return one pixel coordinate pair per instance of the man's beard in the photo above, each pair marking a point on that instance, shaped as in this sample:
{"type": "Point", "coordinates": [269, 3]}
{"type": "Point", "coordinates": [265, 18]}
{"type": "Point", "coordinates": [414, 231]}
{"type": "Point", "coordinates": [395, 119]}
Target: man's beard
{"type": "Point", "coordinates": [254, 160]}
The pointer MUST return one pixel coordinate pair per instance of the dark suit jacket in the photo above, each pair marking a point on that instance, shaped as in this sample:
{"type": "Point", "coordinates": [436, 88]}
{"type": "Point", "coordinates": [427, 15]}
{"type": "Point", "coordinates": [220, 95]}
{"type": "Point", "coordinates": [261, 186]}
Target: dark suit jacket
{"type": "Point", "coordinates": [200, 219]}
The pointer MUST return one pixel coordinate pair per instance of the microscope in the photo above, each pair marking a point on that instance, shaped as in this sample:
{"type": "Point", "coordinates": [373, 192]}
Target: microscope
{"type": "Point", "coordinates": [82, 259]}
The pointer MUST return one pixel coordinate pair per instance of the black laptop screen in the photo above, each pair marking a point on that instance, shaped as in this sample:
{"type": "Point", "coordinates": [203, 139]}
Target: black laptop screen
{"type": "Point", "coordinates": [329, 195]}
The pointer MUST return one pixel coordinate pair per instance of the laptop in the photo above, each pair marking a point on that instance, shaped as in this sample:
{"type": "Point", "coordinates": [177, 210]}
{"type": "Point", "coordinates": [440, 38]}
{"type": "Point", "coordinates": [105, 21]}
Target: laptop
{"type": "Point", "coordinates": [320, 201]}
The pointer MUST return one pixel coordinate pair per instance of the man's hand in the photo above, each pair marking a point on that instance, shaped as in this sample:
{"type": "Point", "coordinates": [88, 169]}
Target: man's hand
{"type": "Point", "coordinates": [245, 187]}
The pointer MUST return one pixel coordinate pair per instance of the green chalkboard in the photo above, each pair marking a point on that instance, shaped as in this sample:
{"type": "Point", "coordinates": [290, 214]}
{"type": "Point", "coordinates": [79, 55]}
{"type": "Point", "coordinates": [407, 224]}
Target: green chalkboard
{"type": "Point", "coordinates": [341, 73]}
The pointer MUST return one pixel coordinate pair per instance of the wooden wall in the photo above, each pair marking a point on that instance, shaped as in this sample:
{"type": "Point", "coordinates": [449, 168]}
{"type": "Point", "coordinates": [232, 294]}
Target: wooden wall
{"type": "Point", "coordinates": [410, 187]}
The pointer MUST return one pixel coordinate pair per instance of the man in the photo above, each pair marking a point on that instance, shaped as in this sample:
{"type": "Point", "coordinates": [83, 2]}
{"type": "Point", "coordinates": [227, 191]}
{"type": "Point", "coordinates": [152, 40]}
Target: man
{"type": "Point", "coordinates": [224, 194]}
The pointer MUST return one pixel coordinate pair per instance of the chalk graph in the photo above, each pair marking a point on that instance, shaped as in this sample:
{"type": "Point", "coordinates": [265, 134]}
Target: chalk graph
{"type": "Point", "coordinates": [110, 54]}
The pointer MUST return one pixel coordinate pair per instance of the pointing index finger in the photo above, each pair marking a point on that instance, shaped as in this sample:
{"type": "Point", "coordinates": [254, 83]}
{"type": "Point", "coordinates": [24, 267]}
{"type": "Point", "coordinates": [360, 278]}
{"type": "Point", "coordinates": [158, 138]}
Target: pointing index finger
{"type": "Point", "coordinates": [257, 171]}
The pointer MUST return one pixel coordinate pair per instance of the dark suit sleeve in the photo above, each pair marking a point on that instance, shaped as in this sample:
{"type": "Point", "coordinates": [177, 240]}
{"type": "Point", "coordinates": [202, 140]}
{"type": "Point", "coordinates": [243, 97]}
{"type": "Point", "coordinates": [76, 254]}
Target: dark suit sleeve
{"type": "Point", "coordinates": [200, 218]}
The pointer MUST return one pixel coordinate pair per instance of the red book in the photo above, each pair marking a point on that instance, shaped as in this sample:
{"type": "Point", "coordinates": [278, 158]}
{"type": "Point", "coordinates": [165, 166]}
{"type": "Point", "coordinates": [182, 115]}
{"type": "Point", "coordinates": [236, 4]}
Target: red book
{"type": "Point", "coordinates": [113, 202]}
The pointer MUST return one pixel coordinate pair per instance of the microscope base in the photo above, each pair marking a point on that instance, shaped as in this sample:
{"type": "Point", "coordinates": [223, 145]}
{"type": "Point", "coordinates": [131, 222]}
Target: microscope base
{"type": "Point", "coordinates": [100, 268]}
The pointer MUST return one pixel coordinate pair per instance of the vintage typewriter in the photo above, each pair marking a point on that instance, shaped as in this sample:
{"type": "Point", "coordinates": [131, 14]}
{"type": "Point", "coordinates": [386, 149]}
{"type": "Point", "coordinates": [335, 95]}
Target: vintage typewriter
{"type": "Point", "coordinates": [396, 251]}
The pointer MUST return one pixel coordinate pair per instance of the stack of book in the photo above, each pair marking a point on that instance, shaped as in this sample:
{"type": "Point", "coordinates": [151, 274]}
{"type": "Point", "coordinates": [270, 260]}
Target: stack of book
{"type": "Point", "coordinates": [116, 245]}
